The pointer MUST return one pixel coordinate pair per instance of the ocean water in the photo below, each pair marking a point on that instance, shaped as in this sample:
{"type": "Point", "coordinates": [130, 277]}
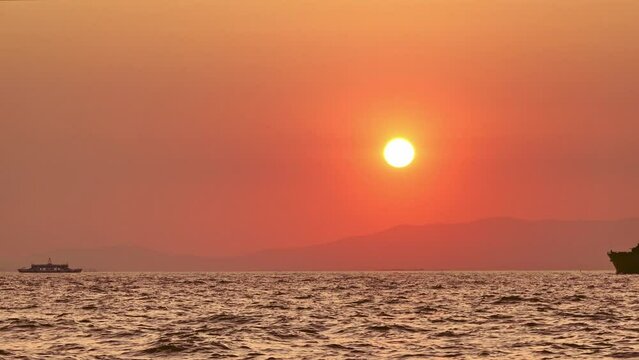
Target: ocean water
{"type": "Point", "coordinates": [552, 315]}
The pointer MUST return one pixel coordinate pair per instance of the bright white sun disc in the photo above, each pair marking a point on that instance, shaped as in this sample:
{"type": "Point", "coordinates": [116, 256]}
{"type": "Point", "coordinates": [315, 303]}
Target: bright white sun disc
{"type": "Point", "coordinates": [399, 153]}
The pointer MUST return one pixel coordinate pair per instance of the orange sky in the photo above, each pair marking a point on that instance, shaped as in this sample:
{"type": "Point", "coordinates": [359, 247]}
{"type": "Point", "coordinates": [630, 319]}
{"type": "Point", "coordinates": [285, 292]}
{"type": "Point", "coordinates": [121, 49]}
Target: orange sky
{"type": "Point", "coordinates": [220, 127]}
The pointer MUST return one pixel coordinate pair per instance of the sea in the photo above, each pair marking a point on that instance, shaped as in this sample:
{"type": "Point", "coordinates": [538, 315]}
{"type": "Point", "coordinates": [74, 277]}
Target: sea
{"type": "Point", "coordinates": [319, 315]}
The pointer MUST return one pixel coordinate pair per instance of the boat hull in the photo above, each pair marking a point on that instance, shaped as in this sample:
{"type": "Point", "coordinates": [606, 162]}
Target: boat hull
{"type": "Point", "coordinates": [625, 262]}
{"type": "Point", "coordinates": [49, 271]}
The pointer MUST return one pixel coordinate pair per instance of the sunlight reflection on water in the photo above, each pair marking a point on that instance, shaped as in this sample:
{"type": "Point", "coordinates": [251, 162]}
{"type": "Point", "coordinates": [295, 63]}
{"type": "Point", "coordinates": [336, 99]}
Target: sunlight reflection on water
{"type": "Point", "coordinates": [319, 315]}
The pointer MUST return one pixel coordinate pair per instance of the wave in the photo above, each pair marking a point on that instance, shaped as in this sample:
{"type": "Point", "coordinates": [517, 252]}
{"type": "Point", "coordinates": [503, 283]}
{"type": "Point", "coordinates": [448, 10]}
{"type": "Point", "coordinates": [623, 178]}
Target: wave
{"type": "Point", "coordinates": [319, 315]}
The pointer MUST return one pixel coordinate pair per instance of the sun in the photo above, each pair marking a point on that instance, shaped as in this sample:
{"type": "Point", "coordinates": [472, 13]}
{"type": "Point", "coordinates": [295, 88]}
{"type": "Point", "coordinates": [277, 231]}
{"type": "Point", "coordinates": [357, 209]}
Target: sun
{"type": "Point", "coordinates": [399, 152]}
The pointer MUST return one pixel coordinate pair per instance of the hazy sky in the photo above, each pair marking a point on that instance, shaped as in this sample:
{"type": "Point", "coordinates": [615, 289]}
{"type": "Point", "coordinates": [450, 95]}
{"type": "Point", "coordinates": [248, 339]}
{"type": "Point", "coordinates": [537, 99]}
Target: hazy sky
{"type": "Point", "coordinates": [221, 127]}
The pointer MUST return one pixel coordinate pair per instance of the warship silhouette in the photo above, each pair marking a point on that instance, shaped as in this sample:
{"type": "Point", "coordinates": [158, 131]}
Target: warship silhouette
{"type": "Point", "coordinates": [49, 268]}
{"type": "Point", "coordinates": [625, 262]}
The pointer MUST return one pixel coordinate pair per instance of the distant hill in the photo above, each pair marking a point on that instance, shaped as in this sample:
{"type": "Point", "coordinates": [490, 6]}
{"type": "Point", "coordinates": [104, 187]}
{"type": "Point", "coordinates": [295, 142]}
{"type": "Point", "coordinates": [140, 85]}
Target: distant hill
{"type": "Point", "coordinates": [489, 244]}
{"type": "Point", "coordinates": [120, 258]}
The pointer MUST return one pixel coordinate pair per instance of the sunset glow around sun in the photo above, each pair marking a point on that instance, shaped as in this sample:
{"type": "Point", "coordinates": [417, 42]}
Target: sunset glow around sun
{"type": "Point", "coordinates": [399, 153]}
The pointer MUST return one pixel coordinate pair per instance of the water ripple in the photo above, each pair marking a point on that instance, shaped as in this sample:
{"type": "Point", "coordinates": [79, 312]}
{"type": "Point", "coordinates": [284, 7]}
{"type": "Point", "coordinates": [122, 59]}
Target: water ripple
{"type": "Point", "coordinates": [364, 315]}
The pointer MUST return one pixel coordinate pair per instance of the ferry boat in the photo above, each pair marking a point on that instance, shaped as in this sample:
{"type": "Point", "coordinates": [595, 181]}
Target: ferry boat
{"type": "Point", "coordinates": [625, 262]}
{"type": "Point", "coordinates": [49, 268]}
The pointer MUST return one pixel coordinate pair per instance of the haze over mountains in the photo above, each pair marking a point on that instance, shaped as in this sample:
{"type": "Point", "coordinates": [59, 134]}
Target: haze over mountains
{"type": "Point", "coordinates": [489, 244]}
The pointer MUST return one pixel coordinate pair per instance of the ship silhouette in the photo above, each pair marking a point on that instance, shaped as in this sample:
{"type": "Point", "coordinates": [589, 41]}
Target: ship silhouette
{"type": "Point", "coordinates": [625, 262]}
{"type": "Point", "coordinates": [49, 267]}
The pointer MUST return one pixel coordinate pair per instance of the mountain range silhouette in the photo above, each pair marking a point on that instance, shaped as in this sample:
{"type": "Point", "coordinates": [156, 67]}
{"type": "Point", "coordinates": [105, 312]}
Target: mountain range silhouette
{"type": "Point", "coordinates": [487, 244]}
